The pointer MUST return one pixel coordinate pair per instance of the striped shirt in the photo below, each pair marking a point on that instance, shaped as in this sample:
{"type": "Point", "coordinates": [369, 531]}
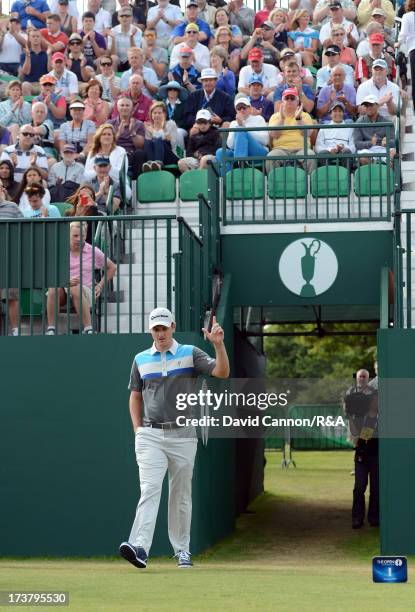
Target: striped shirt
{"type": "Point", "coordinates": [23, 159]}
{"type": "Point", "coordinates": [77, 135]}
{"type": "Point", "coordinates": [9, 210]}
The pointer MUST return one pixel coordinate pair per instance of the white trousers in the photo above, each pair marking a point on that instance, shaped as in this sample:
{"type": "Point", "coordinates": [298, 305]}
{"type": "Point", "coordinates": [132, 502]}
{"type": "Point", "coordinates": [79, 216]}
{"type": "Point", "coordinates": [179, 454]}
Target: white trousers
{"type": "Point", "coordinates": [158, 451]}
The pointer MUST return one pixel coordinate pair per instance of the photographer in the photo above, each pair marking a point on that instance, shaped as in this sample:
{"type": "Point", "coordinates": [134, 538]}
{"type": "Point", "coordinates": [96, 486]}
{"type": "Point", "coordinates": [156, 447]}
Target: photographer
{"type": "Point", "coordinates": [361, 408]}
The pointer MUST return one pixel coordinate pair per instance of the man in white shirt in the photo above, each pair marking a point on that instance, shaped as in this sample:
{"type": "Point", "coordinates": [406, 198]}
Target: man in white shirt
{"type": "Point", "coordinates": [136, 61]}
{"type": "Point", "coordinates": [123, 37]}
{"type": "Point", "coordinates": [164, 18]}
{"type": "Point", "coordinates": [200, 52]}
{"type": "Point", "coordinates": [102, 17]}
{"type": "Point", "coordinates": [66, 81]}
{"type": "Point", "coordinates": [256, 65]}
{"type": "Point", "coordinates": [336, 17]}
{"type": "Point", "coordinates": [386, 92]}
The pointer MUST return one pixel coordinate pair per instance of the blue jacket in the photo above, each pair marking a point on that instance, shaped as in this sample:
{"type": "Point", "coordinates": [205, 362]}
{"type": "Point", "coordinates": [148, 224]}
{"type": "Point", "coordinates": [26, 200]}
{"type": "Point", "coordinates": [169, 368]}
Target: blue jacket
{"type": "Point", "coordinates": [221, 104]}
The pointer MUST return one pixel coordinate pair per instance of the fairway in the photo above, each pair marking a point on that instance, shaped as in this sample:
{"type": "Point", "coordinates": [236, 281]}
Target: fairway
{"type": "Point", "coordinates": [294, 550]}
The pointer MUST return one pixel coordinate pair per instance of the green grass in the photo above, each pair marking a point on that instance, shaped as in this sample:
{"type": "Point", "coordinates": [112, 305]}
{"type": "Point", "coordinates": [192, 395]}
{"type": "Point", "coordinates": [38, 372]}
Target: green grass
{"type": "Point", "coordinates": [293, 550]}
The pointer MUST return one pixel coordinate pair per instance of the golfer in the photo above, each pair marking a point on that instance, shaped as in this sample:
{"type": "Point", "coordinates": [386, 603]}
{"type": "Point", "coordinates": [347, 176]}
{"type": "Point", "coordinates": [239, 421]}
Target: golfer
{"type": "Point", "coordinates": [160, 444]}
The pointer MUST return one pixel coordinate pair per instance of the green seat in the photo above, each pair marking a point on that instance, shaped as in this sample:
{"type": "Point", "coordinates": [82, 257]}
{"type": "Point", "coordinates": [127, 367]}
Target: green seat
{"type": "Point", "coordinates": [192, 183]}
{"type": "Point", "coordinates": [7, 78]}
{"type": "Point", "coordinates": [371, 180]}
{"type": "Point", "coordinates": [32, 307]}
{"type": "Point", "coordinates": [287, 182]}
{"type": "Point", "coordinates": [330, 181]}
{"type": "Point", "coordinates": [62, 207]}
{"type": "Point", "coordinates": [158, 186]}
{"type": "Point", "coordinates": [29, 98]}
{"type": "Point", "coordinates": [244, 184]}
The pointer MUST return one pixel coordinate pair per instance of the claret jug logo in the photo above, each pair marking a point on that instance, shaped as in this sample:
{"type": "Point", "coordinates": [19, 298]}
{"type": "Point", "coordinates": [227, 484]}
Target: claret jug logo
{"type": "Point", "coordinates": [308, 267]}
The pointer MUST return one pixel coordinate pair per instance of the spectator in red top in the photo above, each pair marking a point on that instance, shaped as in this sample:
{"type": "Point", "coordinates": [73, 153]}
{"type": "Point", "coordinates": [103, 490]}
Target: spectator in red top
{"type": "Point", "coordinates": [363, 69]}
{"type": "Point", "coordinates": [141, 104]}
{"type": "Point", "coordinates": [52, 37]}
{"type": "Point", "coordinates": [263, 15]}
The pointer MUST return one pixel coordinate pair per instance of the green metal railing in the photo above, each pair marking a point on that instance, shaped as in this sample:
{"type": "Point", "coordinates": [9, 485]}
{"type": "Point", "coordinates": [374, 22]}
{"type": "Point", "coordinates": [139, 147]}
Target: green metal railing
{"type": "Point", "coordinates": [277, 189]}
{"type": "Point", "coordinates": [402, 265]}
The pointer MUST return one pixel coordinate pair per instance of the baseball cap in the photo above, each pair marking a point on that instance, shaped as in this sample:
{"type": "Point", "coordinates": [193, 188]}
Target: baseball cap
{"type": "Point", "coordinates": [191, 3]}
{"type": "Point", "coordinates": [203, 114]}
{"type": "Point", "coordinates": [75, 36]}
{"type": "Point", "coordinates": [126, 10]}
{"type": "Point", "coordinates": [370, 100]}
{"type": "Point", "coordinates": [58, 56]}
{"type": "Point", "coordinates": [208, 73]}
{"type": "Point", "coordinates": [290, 91]}
{"type": "Point", "coordinates": [77, 104]}
{"type": "Point", "coordinates": [268, 24]}
{"type": "Point", "coordinates": [242, 100]}
{"type": "Point", "coordinates": [255, 78]}
{"type": "Point", "coordinates": [15, 18]}
{"type": "Point", "coordinates": [192, 27]}
{"type": "Point", "coordinates": [47, 78]}
{"type": "Point", "coordinates": [376, 38]}
{"type": "Point", "coordinates": [101, 160]}
{"type": "Point", "coordinates": [378, 11]}
{"type": "Point", "coordinates": [255, 54]}
{"type": "Point", "coordinates": [160, 316]}
{"type": "Point", "coordinates": [185, 51]}
{"type": "Point", "coordinates": [332, 50]}
{"type": "Point", "coordinates": [286, 52]}
{"type": "Point", "coordinates": [69, 148]}
{"type": "Point", "coordinates": [64, 2]}
{"type": "Point", "coordinates": [337, 104]}
{"type": "Point", "coordinates": [380, 63]}
{"type": "Point", "coordinates": [335, 5]}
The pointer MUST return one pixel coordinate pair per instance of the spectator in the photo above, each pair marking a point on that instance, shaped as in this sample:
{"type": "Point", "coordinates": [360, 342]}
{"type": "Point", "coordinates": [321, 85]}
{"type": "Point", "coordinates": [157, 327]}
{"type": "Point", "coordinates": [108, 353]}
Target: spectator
{"type": "Point", "coordinates": [338, 90]}
{"type": "Point", "coordinates": [365, 8]}
{"type": "Point", "coordinates": [138, 14]}
{"type": "Point", "coordinates": [11, 187]}
{"type": "Point", "coordinates": [102, 18]}
{"type": "Point", "coordinates": [24, 154]}
{"type": "Point", "coordinates": [101, 184]}
{"type": "Point", "coordinates": [69, 21]}
{"type": "Point", "coordinates": [407, 38]}
{"type": "Point", "coordinates": [335, 141]}
{"type": "Point", "coordinates": [9, 210]}
{"type": "Point", "coordinates": [79, 131]}
{"type": "Point", "coordinates": [279, 17]}
{"type": "Point", "coordinates": [65, 176]}
{"type": "Point", "coordinates": [233, 54]}
{"type": "Point", "coordinates": [32, 175]}
{"type": "Point", "coordinates": [222, 19]}
{"type": "Point", "coordinates": [263, 39]}
{"type": "Point", "coordinates": [66, 81]}
{"type": "Point", "coordinates": [53, 39]}
{"type": "Point", "coordinates": [203, 32]}
{"type": "Point", "coordinates": [44, 133]}
{"type": "Point", "coordinates": [243, 143]}
{"type": "Point", "coordinates": [386, 92]}
{"type": "Point", "coordinates": [363, 70]}
{"type": "Point", "coordinates": [160, 139]}
{"type": "Point", "coordinates": [185, 72]}
{"type": "Point", "coordinates": [226, 78]}
{"type": "Point", "coordinates": [373, 139]}
{"type": "Point", "coordinates": [5, 138]}
{"type": "Point", "coordinates": [141, 103]}
{"type": "Point", "coordinates": [82, 278]}
{"type": "Point", "coordinates": [104, 145]}
{"type": "Point", "coordinates": [378, 16]}
{"type": "Point", "coordinates": [35, 11]}
{"type": "Point", "coordinates": [77, 63]}
{"type": "Point", "coordinates": [206, 12]}
{"type": "Point", "coordinates": [14, 111]}
{"type": "Point", "coordinates": [347, 54]}
{"type": "Point", "coordinates": [322, 13]}
{"type": "Point", "coordinates": [174, 96]}
{"type": "Point", "coordinates": [204, 140]}
{"type": "Point", "coordinates": [155, 57]}
{"type": "Point", "coordinates": [84, 205]}
{"type": "Point", "coordinates": [164, 17]}
{"type": "Point", "coordinates": [302, 38]}
{"type": "Point", "coordinates": [129, 135]}
{"type": "Point", "coordinates": [288, 55]}
{"type": "Point", "coordinates": [363, 47]}
{"type": "Point", "coordinates": [55, 102]}
{"type": "Point", "coordinates": [37, 208]}
{"type": "Point", "coordinates": [12, 44]}
{"type": "Point", "coordinates": [260, 105]}
{"type": "Point", "coordinates": [291, 142]}
{"type": "Point", "coordinates": [337, 18]}
{"type": "Point", "coordinates": [263, 14]}
{"type": "Point", "coordinates": [256, 65]}
{"type": "Point", "coordinates": [241, 16]}
{"type": "Point", "coordinates": [332, 56]}
{"type": "Point", "coordinates": [93, 42]}
{"type": "Point", "coordinates": [123, 37]}
{"type": "Point", "coordinates": [150, 79]}
{"type": "Point", "coordinates": [34, 64]}
{"type": "Point", "coordinates": [96, 109]}
{"type": "Point", "coordinates": [218, 103]}
{"type": "Point", "coordinates": [200, 51]}
{"type": "Point", "coordinates": [110, 82]}
{"type": "Point", "coordinates": [292, 78]}
{"type": "Point", "coordinates": [361, 408]}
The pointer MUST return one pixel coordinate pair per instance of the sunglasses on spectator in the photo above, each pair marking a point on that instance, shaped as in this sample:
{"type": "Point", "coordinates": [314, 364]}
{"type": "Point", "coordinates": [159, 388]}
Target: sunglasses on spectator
{"type": "Point", "coordinates": [290, 98]}
{"type": "Point", "coordinates": [75, 42]}
{"type": "Point", "coordinates": [47, 84]}
{"type": "Point", "coordinates": [124, 16]}
{"type": "Point", "coordinates": [58, 61]}
{"type": "Point", "coordinates": [28, 134]}
{"type": "Point", "coordinates": [106, 64]}
{"type": "Point", "coordinates": [242, 107]}
{"type": "Point", "coordinates": [203, 121]}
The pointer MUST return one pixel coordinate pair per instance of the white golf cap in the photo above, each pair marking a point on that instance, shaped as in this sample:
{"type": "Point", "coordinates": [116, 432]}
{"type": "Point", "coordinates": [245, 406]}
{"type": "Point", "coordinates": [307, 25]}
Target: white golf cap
{"type": "Point", "coordinates": [160, 316]}
{"type": "Point", "coordinates": [242, 100]}
{"type": "Point", "coordinates": [208, 73]}
{"type": "Point", "coordinates": [203, 114]}
{"type": "Point", "coordinates": [370, 100]}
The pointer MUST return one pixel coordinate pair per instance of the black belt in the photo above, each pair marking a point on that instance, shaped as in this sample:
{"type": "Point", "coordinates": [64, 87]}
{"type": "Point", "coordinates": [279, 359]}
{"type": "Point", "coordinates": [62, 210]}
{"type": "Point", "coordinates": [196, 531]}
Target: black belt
{"type": "Point", "coordinates": [171, 425]}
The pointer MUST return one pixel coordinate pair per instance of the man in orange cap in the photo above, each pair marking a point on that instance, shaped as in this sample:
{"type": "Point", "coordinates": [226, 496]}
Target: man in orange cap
{"type": "Point", "coordinates": [55, 102]}
{"type": "Point", "coordinates": [66, 81]}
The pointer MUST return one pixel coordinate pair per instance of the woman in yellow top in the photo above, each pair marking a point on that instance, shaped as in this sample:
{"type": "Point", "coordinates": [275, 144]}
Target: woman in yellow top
{"type": "Point", "coordinates": [290, 143]}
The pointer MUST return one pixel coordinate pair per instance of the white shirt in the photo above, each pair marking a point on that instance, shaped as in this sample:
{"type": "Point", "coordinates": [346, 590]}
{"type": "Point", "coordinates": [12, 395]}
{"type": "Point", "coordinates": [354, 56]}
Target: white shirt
{"type": "Point", "coordinates": [24, 201]}
{"type": "Point", "coordinates": [72, 7]}
{"type": "Point", "coordinates": [201, 53]}
{"type": "Point", "coordinates": [117, 157]}
{"type": "Point", "coordinates": [11, 50]}
{"type": "Point", "coordinates": [123, 41]}
{"type": "Point", "coordinates": [102, 21]}
{"type": "Point", "coordinates": [149, 75]}
{"type": "Point", "coordinates": [269, 74]}
{"type": "Point", "coordinates": [67, 84]}
{"type": "Point", "coordinates": [368, 88]}
{"type": "Point", "coordinates": [251, 121]}
{"type": "Point", "coordinates": [325, 31]}
{"type": "Point", "coordinates": [363, 48]}
{"type": "Point", "coordinates": [172, 13]}
{"type": "Point", "coordinates": [328, 139]}
{"type": "Point", "coordinates": [407, 33]}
